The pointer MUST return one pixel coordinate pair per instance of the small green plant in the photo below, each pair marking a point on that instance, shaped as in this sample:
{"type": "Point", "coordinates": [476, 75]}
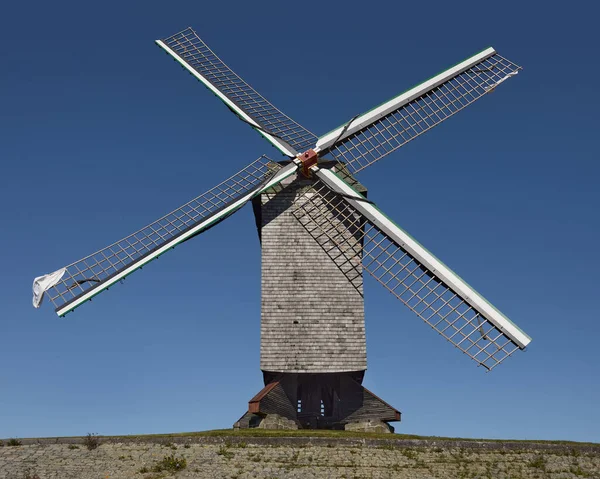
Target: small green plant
{"type": "Point", "coordinates": [409, 454]}
{"type": "Point", "coordinates": [170, 464]}
{"type": "Point", "coordinates": [187, 446]}
{"type": "Point", "coordinates": [72, 446]}
{"type": "Point", "coordinates": [170, 445]}
{"type": "Point", "coordinates": [91, 441]}
{"type": "Point", "coordinates": [241, 445]}
{"type": "Point", "coordinates": [225, 452]}
{"type": "Point", "coordinates": [539, 462]}
{"type": "Point", "coordinates": [13, 442]}
{"type": "Point", "coordinates": [577, 471]}
{"type": "Point", "coordinates": [144, 470]}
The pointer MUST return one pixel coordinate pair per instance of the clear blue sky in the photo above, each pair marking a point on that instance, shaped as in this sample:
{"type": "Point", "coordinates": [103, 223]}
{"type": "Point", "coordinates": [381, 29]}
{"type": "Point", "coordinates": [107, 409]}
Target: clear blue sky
{"type": "Point", "coordinates": [100, 133]}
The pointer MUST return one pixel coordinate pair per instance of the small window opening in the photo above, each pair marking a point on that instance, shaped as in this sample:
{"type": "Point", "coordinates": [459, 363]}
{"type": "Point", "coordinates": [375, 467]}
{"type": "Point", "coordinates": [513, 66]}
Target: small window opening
{"type": "Point", "coordinates": [322, 408]}
{"type": "Point", "coordinates": [299, 406]}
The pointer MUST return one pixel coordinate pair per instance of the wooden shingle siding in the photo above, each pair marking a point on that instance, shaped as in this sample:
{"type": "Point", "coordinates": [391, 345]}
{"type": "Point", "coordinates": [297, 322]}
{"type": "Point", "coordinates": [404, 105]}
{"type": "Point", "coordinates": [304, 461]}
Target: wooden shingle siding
{"type": "Point", "coordinates": [370, 406]}
{"type": "Point", "coordinates": [277, 402]}
{"type": "Point", "coordinates": [312, 317]}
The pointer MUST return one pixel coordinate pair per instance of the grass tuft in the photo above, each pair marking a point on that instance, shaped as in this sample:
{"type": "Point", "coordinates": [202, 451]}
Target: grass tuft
{"type": "Point", "coordinates": [577, 471]}
{"type": "Point", "coordinates": [225, 452]}
{"type": "Point", "coordinates": [410, 454]}
{"type": "Point", "coordinates": [170, 464]}
{"type": "Point", "coordinates": [538, 462]}
{"type": "Point", "coordinates": [91, 441]}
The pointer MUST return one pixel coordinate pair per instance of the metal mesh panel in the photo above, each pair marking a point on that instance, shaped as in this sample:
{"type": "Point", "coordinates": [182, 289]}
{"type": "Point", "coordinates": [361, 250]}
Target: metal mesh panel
{"type": "Point", "coordinates": [335, 228]}
{"type": "Point", "coordinates": [397, 128]}
{"type": "Point", "coordinates": [413, 284]}
{"type": "Point", "coordinates": [82, 275]}
{"type": "Point", "coordinates": [201, 58]}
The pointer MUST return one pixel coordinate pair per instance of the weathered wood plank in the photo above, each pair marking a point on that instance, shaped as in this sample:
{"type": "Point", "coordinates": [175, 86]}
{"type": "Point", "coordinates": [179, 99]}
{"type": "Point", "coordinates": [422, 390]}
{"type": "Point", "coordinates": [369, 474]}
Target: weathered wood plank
{"type": "Point", "coordinates": [312, 317]}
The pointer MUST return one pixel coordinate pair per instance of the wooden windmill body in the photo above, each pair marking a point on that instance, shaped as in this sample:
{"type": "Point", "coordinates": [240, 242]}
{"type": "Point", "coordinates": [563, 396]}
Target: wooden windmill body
{"type": "Point", "coordinates": [313, 349]}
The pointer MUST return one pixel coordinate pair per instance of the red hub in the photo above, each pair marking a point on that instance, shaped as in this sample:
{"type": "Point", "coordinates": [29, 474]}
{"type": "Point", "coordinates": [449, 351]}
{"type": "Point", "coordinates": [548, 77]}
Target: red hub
{"type": "Point", "coordinates": [308, 158]}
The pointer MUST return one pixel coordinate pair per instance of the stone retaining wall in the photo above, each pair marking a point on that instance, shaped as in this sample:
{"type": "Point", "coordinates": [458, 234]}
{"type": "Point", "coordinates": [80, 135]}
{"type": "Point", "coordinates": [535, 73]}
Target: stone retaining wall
{"type": "Point", "coordinates": [295, 457]}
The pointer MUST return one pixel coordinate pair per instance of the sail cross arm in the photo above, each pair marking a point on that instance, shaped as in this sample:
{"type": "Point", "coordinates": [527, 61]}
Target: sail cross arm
{"type": "Point", "coordinates": [380, 111]}
{"type": "Point", "coordinates": [95, 273]}
{"type": "Point", "coordinates": [369, 137]}
{"type": "Point", "coordinates": [187, 48]}
{"type": "Point", "coordinates": [428, 286]}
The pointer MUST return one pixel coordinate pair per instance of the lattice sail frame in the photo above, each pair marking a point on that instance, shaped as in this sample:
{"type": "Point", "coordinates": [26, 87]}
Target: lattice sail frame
{"type": "Point", "coordinates": [382, 130]}
{"type": "Point", "coordinates": [193, 54]}
{"type": "Point", "coordinates": [486, 340]}
{"type": "Point", "coordinates": [88, 276]}
{"type": "Point", "coordinates": [338, 231]}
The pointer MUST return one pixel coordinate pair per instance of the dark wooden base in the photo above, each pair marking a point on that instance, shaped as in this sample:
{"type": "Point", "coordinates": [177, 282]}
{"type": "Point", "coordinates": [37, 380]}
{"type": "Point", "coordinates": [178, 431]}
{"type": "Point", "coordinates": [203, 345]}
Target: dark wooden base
{"type": "Point", "coordinates": [317, 401]}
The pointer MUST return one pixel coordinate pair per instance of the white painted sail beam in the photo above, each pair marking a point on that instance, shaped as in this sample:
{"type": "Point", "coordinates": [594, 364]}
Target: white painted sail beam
{"type": "Point", "coordinates": [422, 255]}
{"type": "Point", "coordinates": [282, 146]}
{"type": "Point", "coordinates": [376, 113]}
{"type": "Point", "coordinates": [282, 174]}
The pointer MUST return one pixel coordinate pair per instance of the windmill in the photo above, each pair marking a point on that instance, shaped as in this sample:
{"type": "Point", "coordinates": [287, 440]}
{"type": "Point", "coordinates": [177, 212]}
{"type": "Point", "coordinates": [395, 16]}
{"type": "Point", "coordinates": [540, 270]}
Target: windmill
{"type": "Point", "coordinates": [317, 226]}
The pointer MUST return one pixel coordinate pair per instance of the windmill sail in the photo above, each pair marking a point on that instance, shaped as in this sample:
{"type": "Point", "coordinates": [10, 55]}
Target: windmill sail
{"type": "Point", "coordinates": [83, 279]}
{"type": "Point", "coordinates": [284, 133]}
{"type": "Point", "coordinates": [410, 272]}
{"type": "Point", "coordinates": [373, 135]}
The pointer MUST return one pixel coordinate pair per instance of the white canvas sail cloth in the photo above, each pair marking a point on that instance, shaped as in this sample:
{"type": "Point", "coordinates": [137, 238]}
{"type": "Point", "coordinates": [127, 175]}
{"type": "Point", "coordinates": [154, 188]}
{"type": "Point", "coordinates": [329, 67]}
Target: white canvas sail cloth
{"type": "Point", "coordinates": [42, 283]}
